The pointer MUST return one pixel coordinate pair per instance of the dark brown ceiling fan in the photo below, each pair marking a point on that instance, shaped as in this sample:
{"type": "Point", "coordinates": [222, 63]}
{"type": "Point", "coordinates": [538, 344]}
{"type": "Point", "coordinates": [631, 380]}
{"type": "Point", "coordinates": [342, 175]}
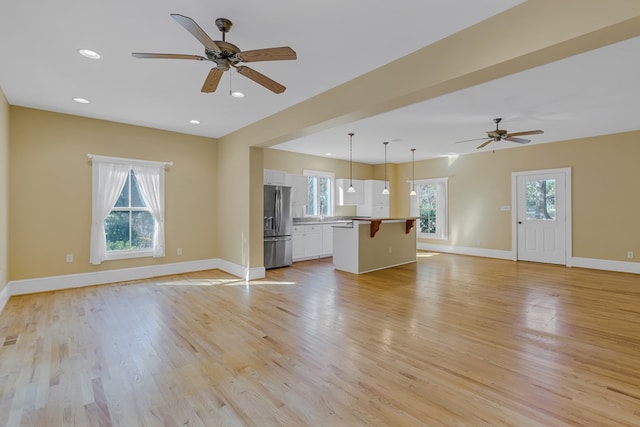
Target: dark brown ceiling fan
{"type": "Point", "coordinates": [501, 134]}
{"type": "Point", "coordinates": [226, 55]}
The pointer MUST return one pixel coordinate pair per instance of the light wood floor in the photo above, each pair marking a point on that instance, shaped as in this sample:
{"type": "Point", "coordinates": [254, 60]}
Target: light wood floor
{"type": "Point", "coordinates": [449, 341]}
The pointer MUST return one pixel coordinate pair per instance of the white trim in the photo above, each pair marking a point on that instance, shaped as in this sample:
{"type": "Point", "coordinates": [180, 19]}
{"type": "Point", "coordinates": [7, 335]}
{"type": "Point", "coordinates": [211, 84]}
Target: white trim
{"type": "Point", "coordinates": [55, 283]}
{"type": "Point", "coordinates": [122, 160]}
{"type": "Point", "coordinates": [568, 212]}
{"type": "Point", "coordinates": [603, 264]}
{"type": "Point", "coordinates": [463, 250]}
{"type": "Point", "coordinates": [590, 263]}
{"type": "Point", "coordinates": [4, 297]}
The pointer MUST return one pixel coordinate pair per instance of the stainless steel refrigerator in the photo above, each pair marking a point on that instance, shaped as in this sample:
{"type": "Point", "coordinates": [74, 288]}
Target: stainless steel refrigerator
{"type": "Point", "coordinates": [278, 226]}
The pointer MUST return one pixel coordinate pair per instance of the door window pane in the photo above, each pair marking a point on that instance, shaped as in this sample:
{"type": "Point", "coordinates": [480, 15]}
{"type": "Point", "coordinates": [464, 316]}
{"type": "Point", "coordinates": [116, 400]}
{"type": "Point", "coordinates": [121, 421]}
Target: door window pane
{"type": "Point", "coordinates": [541, 199]}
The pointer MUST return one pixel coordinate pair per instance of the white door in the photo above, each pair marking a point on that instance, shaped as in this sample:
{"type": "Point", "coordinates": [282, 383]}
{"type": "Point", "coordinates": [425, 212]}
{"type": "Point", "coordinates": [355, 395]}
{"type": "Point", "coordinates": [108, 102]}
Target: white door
{"type": "Point", "coordinates": [541, 215]}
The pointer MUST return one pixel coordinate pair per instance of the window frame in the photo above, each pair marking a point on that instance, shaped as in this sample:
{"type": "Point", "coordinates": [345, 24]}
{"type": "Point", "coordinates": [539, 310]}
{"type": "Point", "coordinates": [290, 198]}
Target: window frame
{"type": "Point", "coordinates": [332, 182]}
{"type": "Point", "coordinates": [442, 211]}
{"type": "Point", "coordinates": [130, 253]}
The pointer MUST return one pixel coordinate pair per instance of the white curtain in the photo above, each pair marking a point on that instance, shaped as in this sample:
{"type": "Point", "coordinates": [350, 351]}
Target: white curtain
{"type": "Point", "coordinates": [109, 179]}
{"type": "Point", "coordinates": [151, 183]}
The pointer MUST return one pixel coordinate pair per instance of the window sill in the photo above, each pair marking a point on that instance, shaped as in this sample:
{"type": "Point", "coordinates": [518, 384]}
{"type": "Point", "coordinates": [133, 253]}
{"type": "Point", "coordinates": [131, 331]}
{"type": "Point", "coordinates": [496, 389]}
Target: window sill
{"type": "Point", "coordinates": [113, 255]}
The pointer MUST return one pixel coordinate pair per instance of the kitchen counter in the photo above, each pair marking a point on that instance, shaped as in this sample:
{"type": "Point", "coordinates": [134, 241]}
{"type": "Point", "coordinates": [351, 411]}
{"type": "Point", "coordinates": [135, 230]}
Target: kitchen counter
{"type": "Point", "coordinates": [373, 244]}
{"type": "Point", "coordinates": [327, 220]}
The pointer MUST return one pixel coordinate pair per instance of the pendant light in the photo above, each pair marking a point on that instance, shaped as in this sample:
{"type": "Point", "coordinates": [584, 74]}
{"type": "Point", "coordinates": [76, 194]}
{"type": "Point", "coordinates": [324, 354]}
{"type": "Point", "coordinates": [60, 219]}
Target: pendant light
{"type": "Point", "coordinates": [351, 189]}
{"type": "Point", "coordinates": [386, 190]}
{"type": "Point", "coordinates": [413, 172]}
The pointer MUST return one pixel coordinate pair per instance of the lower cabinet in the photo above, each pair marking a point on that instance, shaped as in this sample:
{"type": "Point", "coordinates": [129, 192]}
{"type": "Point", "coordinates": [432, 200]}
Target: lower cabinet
{"type": "Point", "coordinates": [327, 240]}
{"type": "Point", "coordinates": [312, 241]}
{"type": "Point", "coordinates": [307, 241]}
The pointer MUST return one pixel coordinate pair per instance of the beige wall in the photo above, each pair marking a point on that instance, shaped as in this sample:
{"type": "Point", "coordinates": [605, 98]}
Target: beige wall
{"type": "Point", "coordinates": [4, 190]}
{"type": "Point", "coordinates": [235, 188]}
{"type": "Point", "coordinates": [50, 191]}
{"type": "Point", "coordinates": [605, 201]}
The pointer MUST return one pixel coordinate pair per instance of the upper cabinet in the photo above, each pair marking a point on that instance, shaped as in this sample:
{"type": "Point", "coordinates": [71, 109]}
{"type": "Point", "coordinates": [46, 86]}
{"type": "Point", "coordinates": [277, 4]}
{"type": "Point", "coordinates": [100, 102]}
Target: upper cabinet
{"type": "Point", "coordinates": [344, 198]}
{"type": "Point", "coordinates": [274, 177]}
{"type": "Point", "coordinates": [375, 204]}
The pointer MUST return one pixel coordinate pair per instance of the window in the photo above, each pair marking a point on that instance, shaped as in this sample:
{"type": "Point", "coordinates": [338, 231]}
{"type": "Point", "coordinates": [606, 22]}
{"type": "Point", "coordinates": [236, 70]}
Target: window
{"type": "Point", "coordinates": [430, 205]}
{"type": "Point", "coordinates": [130, 224]}
{"type": "Point", "coordinates": [127, 209]}
{"type": "Point", "coordinates": [319, 193]}
{"type": "Point", "coordinates": [541, 199]}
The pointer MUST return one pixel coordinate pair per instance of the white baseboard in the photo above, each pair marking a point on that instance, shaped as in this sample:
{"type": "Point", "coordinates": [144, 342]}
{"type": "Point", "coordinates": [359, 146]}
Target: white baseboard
{"type": "Point", "coordinates": [462, 250]}
{"type": "Point", "coordinates": [55, 283]}
{"type": "Point", "coordinates": [596, 264]}
{"type": "Point", "coordinates": [603, 264]}
{"type": "Point", "coordinates": [242, 271]}
{"type": "Point", "coordinates": [4, 297]}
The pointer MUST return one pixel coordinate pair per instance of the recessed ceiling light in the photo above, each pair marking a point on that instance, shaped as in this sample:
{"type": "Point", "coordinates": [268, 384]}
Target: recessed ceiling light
{"type": "Point", "coordinates": [328, 154]}
{"type": "Point", "coordinates": [194, 122]}
{"type": "Point", "coordinates": [237, 94]}
{"type": "Point", "coordinates": [81, 100]}
{"type": "Point", "coordinates": [87, 53]}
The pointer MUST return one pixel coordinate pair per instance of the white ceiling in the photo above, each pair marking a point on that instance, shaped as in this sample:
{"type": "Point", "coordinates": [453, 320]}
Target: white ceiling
{"type": "Point", "coordinates": [336, 41]}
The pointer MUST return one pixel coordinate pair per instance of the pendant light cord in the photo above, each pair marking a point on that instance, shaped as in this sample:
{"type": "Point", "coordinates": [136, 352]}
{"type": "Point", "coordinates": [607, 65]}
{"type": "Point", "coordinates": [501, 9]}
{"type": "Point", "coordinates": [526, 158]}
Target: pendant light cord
{"type": "Point", "coordinates": [351, 159]}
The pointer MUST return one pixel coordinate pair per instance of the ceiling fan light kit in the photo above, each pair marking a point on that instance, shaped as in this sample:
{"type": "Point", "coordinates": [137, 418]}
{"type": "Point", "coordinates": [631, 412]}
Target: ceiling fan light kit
{"type": "Point", "coordinates": [226, 55]}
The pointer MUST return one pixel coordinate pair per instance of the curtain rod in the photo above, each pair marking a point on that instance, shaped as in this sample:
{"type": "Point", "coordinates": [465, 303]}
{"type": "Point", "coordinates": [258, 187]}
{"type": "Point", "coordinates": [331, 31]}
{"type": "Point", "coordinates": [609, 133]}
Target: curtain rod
{"type": "Point", "coordinates": [123, 160]}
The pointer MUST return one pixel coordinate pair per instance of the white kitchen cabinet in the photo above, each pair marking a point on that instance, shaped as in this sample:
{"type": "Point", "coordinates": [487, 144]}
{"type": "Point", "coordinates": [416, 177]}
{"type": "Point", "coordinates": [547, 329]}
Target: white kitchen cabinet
{"type": "Point", "coordinates": [344, 198]}
{"type": "Point", "coordinates": [307, 241]}
{"type": "Point", "coordinates": [327, 239]}
{"type": "Point", "coordinates": [375, 204]}
{"type": "Point", "coordinates": [274, 177]}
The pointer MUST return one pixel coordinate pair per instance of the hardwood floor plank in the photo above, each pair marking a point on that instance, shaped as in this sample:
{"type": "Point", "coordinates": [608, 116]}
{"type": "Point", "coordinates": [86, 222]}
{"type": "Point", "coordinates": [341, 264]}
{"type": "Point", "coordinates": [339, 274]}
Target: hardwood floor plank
{"type": "Point", "coordinates": [449, 340]}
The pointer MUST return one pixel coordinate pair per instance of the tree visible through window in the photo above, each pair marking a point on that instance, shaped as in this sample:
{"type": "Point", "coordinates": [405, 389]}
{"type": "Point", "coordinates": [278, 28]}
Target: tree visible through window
{"type": "Point", "coordinates": [541, 199]}
{"type": "Point", "coordinates": [319, 193]}
{"type": "Point", "coordinates": [430, 205]}
{"type": "Point", "coordinates": [130, 224]}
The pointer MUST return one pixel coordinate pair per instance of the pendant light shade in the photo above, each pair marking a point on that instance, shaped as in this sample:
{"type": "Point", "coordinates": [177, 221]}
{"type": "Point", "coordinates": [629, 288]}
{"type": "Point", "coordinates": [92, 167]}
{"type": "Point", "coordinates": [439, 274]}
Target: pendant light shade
{"type": "Point", "coordinates": [386, 190]}
{"type": "Point", "coordinates": [413, 172]}
{"type": "Point", "coordinates": [351, 189]}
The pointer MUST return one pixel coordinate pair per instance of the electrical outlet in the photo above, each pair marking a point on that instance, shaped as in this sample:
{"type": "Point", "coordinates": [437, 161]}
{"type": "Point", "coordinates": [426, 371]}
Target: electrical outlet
{"type": "Point", "coordinates": [630, 254]}
{"type": "Point", "coordinates": [179, 251]}
{"type": "Point", "coordinates": [478, 243]}
{"type": "Point", "coordinates": [69, 257]}
{"type": "Point", "coordinates": [389, 249]}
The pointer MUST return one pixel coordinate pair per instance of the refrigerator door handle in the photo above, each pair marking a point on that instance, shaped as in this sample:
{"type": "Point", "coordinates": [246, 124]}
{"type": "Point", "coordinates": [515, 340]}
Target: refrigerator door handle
{"type": "Point", "coordinates": [278, 209]}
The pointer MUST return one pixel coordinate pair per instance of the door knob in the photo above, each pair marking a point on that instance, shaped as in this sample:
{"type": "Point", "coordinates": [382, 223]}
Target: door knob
{"type": "Point", "coordinates": [519, 222]}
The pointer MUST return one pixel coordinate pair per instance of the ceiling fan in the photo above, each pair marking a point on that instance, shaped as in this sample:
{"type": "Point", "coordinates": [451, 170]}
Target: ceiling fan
{"type": "Point", "coordinates": [226, 55]}
{"type": "Point", "coordinates": [501, 134]}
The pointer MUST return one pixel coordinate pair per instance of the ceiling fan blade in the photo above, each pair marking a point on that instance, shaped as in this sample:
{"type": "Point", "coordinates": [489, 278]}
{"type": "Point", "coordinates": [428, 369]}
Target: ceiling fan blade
{"type": "Point", "coordinates": [518, 140]}
{"type": "Point", "coordinates": [167, 56]}
{"type": "Point", "coordinates": [270, 54]}
{"type": "Point", "coordinates": [212, 80]}
{"type": "Point", "coordinates": [527, 132]}
{"type": "Point", "coordinates": [469, 140]}
{"type": "Point", "coordinates": [195, 30]}
{"type": "Point", "coordinates": [261, 79]}
{"type": "Point", "coordinates": [484, 143]}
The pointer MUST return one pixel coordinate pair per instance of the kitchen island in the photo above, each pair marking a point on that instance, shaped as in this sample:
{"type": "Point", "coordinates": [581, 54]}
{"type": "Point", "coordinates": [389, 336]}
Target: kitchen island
{"type": "Point", "coordinates": [373, 244]}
